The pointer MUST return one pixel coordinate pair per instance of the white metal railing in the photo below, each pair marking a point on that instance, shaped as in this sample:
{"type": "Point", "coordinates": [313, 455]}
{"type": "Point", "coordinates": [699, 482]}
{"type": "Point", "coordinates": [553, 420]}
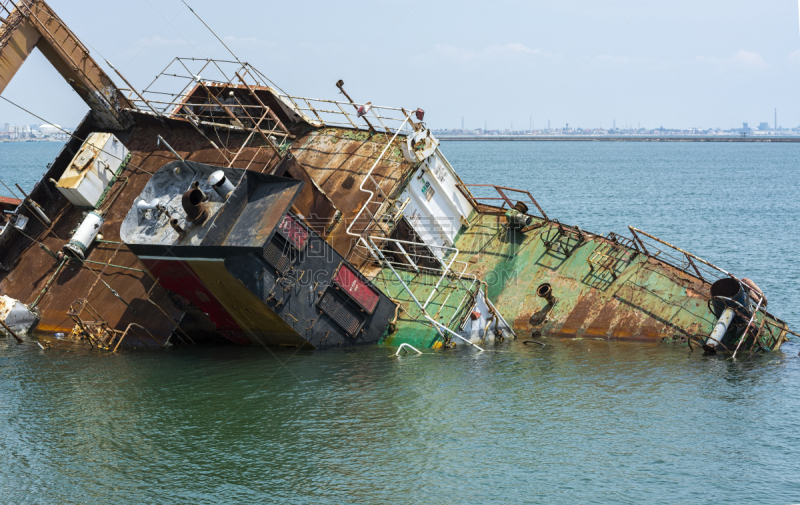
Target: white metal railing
{"type": "Point", "coordinates": [381, 258]}
{"type": "Point", "coordinates": [378, 254]}
{"type": "Point", "coordinates": [442, 271]}
{"type": "Point", "coordinates": [345, 114]}
{"type": "Point", "coordinates": [368, 177]}
{"type": "Point", "coordinates": [405, 347]}
{"type": "Point", "coordinates": [184, 74]}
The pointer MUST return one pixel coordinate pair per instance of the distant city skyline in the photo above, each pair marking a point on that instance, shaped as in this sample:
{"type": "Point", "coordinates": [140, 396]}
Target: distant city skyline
{"type": "Point", "coordinates": [678, 64]}
{"type": "Point", "coordinates": [759, 125]}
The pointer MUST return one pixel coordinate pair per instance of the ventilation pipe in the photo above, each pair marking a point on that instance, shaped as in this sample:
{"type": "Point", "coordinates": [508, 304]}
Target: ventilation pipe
{"type": "Point", "coordinates": [221, 184]}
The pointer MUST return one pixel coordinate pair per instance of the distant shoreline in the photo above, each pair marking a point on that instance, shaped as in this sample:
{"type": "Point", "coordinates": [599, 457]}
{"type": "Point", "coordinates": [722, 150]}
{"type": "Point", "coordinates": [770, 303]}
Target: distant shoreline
{"type": "Point", "coordinates": [610, 138]}
{"type": "Point", "coordinates": [33, 141]}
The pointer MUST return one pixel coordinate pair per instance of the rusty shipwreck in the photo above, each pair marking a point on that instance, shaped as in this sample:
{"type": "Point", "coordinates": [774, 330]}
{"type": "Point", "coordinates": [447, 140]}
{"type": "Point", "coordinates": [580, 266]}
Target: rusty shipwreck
{"type": "Point", "coordinates": [214, 205]}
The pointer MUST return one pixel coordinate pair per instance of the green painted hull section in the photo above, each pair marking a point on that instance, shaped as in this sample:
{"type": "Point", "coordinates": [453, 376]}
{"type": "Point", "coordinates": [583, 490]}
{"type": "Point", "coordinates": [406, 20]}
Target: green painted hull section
{"type": "Point", "coordinates": [447, 305]}
{"type": "Point", "coordinates": [622, 294]}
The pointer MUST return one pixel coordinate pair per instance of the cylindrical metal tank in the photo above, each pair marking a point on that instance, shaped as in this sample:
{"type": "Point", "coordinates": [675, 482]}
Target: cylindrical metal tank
{"type": "Point", "coordinates": [221, 184]}
{"type": "Point", "coordinates": [727, 292]}
{"type": "Point", "coordinates": [730, 303]}
{"type": "Point", "coordinates": [84, 236]}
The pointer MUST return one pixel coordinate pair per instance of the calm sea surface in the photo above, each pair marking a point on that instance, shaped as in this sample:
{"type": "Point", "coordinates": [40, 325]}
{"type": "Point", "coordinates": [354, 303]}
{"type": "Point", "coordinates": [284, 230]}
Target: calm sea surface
{"type": "Point", "coordinates": [578, 421]}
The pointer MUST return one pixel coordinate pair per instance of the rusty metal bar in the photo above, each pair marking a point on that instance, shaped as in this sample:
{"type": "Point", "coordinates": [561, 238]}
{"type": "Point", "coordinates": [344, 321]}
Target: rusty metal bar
{"type": "Point", "coordinates": [756, 339]}
{"type": "Point", "coordinates": [537, 205]}
{"type": "Point", "coordinates": [385, 128]}
{"type": "Point", "coordinates": [697, 270]}
{"type": "Point", "coordinates": [49, 282]}
{"type": "Point", "coordinates": [163, 310]}
{"type": "Point", "coordinates": [113, 266]}
{"type": "Point", "coordinates": [315, 112]}
{"type": "Point", "coordinates": [347, 116]}
{"type": "Point", "coordinates": [233, 116]}
{"type": "Point", "coordinates": [230, 127]}
{"type": "Point", "coordinates": [181, 105]}
{"type": "Point", "coordinates": [636, 237]}
{"type": "Point", "coordinates": [184, 103]}
{"type": "Point", "coordinates": [475, 200]}
{"type": "Point", "coordinates": [505, 198]}
{"type": "Point", "coordinates": [176, 323]}
{"type": "Point", "coordinates": [195, 77]}
{"type": "Point", "coordinates": [38, 212]}
{"type": "Point", "coordinates": [701, 260]}
{"type": "Point", "coordinates": [10, 331]}
{"type": "Point", "coordinates": [244, 144]}
{"type": "Point", "coordinates": [148, 332]}
{"type": "Point", "coordinates": [398, 109]}
{"type": "Point", "coordinates": [131, 86]}
{"type": "Point", "coordinates": [102, 272]}
{"type": "Point", "coordinates": [121, 338]}
{"type": "Point", "coordinates": [224, 107]}
{"type": "Point", "coordinates": [388, 130]}
{"type": "Point", "coordinates": [227, 79]}
{"type": "Point", "coordinates": [747, 328]}
{"type": "Point", "coordinates": [255, 95]}
{"type": "Point", "coordinates": [202, 134]}
{"type": "Point", "coordinates": [340, 85]}
{"type": "Point", "coordinates": [257, 128]}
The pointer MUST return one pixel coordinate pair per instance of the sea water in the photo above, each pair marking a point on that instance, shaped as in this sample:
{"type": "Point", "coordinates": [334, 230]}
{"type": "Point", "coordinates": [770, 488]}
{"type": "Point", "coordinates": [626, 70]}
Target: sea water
{"type": "Point", "coordinates": [577, 421]}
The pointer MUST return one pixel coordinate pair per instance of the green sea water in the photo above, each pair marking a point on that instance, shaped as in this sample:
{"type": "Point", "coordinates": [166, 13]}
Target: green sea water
{"type": "Point", "coordinates": [577, 421]}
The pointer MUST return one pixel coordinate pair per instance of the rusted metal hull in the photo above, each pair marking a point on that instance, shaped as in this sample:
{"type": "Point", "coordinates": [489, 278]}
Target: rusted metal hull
{"type": "Point", "coordinates": [641, 298]}
{"type": "Point", "coordinates": [384, 198]}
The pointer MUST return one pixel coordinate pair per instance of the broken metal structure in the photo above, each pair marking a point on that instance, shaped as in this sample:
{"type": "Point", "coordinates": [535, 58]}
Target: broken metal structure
{"type": "Point", "coordinates": [214, 192]}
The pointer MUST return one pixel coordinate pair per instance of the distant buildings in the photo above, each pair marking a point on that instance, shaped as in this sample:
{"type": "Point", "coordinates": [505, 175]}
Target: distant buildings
{"type": "Point", "coordinates": [763, 129]}
{"type": "Point", "coordinates": [32, 132]}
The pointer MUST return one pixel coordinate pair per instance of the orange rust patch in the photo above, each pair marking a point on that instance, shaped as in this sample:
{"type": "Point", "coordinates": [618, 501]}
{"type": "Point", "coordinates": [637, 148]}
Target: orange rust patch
{"type": "Point", "coordinates": [601, 325]}
{"type": "Point", "coordinates": [577, 317]}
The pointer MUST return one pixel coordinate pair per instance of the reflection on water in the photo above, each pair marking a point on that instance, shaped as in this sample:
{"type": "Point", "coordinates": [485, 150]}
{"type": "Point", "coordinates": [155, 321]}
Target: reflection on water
{"type": "Point", "coordinates": [577, 421]}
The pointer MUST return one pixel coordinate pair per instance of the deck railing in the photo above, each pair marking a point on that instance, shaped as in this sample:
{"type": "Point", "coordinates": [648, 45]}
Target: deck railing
{"type": "Point", "coordinates": [168, 94]}
{"type": "Point", "coordinates": [685, 261]}
{"type": "Point", "coordinates": [507, 199]}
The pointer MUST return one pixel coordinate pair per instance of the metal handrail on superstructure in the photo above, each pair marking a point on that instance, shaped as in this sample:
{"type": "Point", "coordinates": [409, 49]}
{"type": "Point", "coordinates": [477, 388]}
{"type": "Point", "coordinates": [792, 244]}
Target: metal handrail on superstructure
{"type": "Point", "coordinates": [477, 201]}
{"type": "Point", "coordinates": [443, 271]}
{"type": "Point", "coordinates": [231, 74]}
{"type": "Point", "coordinates": [439, 326]}
{"type": "Point", "coordinates": [683, 262]}
{"type": "Point", "coordinates": [704, 270]}
{"type": "Point", "coordinates": [328, 117]}
{"type": "Point", "coordinates": [368, 176]}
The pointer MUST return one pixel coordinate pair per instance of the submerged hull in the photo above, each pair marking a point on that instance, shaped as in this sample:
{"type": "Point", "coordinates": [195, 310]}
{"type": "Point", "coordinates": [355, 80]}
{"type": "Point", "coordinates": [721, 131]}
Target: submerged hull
{"type": "Point", "coordinates": [638, 298]}
{"type": "Point", "coordinates": [439, 266]}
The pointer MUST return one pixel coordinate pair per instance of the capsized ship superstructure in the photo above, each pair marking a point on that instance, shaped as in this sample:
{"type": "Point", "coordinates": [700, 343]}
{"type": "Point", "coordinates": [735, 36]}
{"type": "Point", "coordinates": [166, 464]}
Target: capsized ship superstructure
{"type": "Point", "coordinates": [240, 255]}
{"type": "Point", "coordinates": [116, 245]}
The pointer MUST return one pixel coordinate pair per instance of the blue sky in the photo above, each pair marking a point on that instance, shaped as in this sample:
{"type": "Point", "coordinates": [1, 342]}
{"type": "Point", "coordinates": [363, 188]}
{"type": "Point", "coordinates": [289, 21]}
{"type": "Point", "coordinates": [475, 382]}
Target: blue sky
{"type": "Point", "coordinates": [675, 63]}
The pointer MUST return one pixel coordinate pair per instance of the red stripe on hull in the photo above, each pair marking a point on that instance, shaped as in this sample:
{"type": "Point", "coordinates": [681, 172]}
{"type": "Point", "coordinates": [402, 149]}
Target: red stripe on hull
{"type": "Point", "coordinates": [178, 276]}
